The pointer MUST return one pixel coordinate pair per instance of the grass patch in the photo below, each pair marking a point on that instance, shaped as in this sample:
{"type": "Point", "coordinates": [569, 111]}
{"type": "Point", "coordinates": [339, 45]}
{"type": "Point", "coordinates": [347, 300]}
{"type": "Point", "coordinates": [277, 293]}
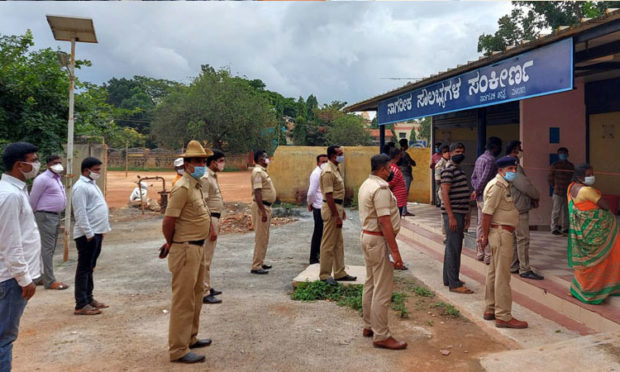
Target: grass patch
{"type": "Point", "coordinates": [447, 309]}
{"type": "Point", "coordinates": [398, 304]}
{"type": "Point", "coordinates": [349, 296]}
{"type": "Point", "coordinates": [422, 291]}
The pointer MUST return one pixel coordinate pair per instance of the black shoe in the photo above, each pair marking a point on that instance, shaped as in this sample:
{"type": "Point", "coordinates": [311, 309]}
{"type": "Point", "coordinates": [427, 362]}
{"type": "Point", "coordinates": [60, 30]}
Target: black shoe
{"type": "Point", "coordinates": [211, 299]}
{"type": "Point", "coordinates": [531, 275]}
{"type": "Point", "coordinates": [514, 271]}
{"type": "Point", "coordinates": [266, 267]}
{"type": "Point", "coordinates": [191, 358]}
{"type": "Point", "coordinates": [259, 271]}
{"type": "Point", "coordinates": [565, 232]}
{"type": "Point", "coordinates": [347, 278]}
{"type": "Point", "coordinates": [330, 281]}
{"type": "Point", "coordinates": [214, 292]}
{"type": "Point", "coordinates": [556, 232]}
{"type": "Point", "coordinates": [201, 343]}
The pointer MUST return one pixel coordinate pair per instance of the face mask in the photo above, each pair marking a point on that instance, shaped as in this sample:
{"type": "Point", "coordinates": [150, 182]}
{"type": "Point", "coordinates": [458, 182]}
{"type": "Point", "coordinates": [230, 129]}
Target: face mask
{"type": "Point", "coordinates": [458, 158]}
{"type": "Point", "coordinates": [562, 156]}
{"type": "Point", "coordinates": [34, 171]}
{"type": "Point", "coordinates": [510, 176]}
{"type": "Point", "coordinates": [220, 166]}
{"type": "Point", "coordinates": [199, 172]}
{"type": "Point", "coordinates": [589, 180]}
{"type": "Point", "coordinates": [436, 149]}
{"type": "Point", "coordinates": [340, 159]}
{"type": "Point", "coordinates": [181, 171]}
{"type": "Point", "coordinates": [266, 161]}
{"type": "Point", "coordinates": [391, 176]}
{"type": "Point", "coordinates": [93, 175]}
{"type": "Point", "coordinates": [322, 165]}
{"type": "Point", "coordinates": [57, 168]}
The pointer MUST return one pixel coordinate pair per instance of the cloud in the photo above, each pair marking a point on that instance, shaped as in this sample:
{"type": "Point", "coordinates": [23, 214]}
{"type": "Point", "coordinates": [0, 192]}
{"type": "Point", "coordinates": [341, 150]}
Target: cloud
{"type": "Point", "coordinates": [336, 50]}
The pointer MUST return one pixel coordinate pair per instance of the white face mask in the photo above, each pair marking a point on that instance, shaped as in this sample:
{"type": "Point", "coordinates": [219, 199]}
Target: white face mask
{"type": "Point", "coordinates": [322, 165]}
{"type": "Point", "coordinates": [93, 175]}
{"type": "Point", "coordinates": [266, 160]}
{"type": "Point", "coordinates": [221, 166]}
{"type": "Point", "coordinates": [589, 180]}
{"type": "Point", "coordinates": [34, 171]}
{"type": "Point", "coordinates": [57, 168]}
{"type": "Point", "coordinates": [181, 171]}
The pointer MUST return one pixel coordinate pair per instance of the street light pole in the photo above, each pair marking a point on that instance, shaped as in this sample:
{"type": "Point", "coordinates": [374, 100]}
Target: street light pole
{"type": "Point", "coordinates": [69, 151]}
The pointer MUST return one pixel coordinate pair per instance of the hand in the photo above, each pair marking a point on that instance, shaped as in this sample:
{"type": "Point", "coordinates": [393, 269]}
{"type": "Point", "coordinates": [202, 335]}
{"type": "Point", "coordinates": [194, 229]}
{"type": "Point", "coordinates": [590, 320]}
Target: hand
{"type": "Point", "coordinates": [398, 261]}
{"type": "Point", "coordinates": [473, 195]}
{"type": "Point", "coordinates": [28, 291]}
{"type": "Point", "coordinates": [467, 222]}
{"type": "Point", "coordinates": [264, 216]}
{"type": "Point", "coordinates": [309, 207]}
{"type": "Point", "coordinates": [452, 223]}
{"type": "Point", "coordinates": [338, 222]}
{"type": "Point", "coordinates": [483, 240]}
{"type": "Point", "coordinates": [212, 235]}
{"type": "Point", "coordinates": [90, 239]}
{"type": "Point", "coordinates": [164, 250]}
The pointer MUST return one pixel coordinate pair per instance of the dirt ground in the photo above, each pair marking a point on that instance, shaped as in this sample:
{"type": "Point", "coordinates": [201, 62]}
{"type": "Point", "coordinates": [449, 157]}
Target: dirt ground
{"type": "Point", "coordinates": [235, 186]}
{"type": "Point", "coordinates": [256, 326]}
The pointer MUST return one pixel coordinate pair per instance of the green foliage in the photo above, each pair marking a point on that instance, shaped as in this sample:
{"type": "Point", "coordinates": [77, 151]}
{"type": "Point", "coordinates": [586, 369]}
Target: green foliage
{"type": "Point", "coordinates": [348, 130]}
{"type": "Point", "coordinates": [425, 130]}
{"type": "Point", "coordinates": [447, 309]}
{"type": "Point", "coordinates": [398, 304]}
{"type": "Point", "coordinates": [350, 296]}
{"type": "Point", "coordinates": [422, 291]}
{"type": "Point", "coordinates": [529, 18]}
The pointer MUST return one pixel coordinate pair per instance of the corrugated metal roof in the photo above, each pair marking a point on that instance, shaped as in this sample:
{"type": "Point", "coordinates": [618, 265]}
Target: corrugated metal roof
{"type": "Point", "coordinates": [562, 33]}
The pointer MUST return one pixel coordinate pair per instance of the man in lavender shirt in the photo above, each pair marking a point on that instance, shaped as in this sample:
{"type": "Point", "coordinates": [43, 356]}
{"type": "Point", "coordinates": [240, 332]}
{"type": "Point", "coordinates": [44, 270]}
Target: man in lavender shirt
{"type": "Point", "coordinates": [48, 200]}
{"type": "Point", "coordinates": [484, 171]}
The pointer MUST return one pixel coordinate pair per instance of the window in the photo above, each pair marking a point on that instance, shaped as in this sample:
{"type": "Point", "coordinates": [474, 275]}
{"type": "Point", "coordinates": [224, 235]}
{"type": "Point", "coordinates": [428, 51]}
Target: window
{"type": "Point", "coordinates": [402, 135]}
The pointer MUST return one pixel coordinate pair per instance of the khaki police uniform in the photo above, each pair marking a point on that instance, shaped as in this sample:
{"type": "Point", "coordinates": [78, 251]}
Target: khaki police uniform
{"type": "Point", "coordinates": [376, 200]}
{"type": "Point", "coordinates": [261, 181]}
{"type": "Point", "coordinates": [186, 262]}
{"type": "Point", "coordinates": [215, 203]}
{"type": "Point", "coordinates": [498, 202]}
{"type": "Point", "coordinates": [332, 245]}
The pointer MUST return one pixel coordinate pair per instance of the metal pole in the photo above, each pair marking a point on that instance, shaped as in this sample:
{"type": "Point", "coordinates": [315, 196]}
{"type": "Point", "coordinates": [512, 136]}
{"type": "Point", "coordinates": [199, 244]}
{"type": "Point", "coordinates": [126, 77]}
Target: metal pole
{"type": "Point", "coordinates": [126, 157]}
{"type": "Point", "coordinates": [69, 152]}
{"type": "Point", "coordinates": [381, 138]}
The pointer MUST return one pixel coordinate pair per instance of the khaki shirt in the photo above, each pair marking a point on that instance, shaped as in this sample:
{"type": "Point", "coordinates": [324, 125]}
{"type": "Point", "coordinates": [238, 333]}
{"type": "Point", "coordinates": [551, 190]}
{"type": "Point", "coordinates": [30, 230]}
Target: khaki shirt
{"type": "Point", "coordinates": [331, 181]}
{"type": "Point", "coordinates": [211, 189]}
{"type": "Point", "coordinates": [376, 200]}
{"type": "Point", "coordinates": [262, 181]}
{"type": "Point", "coordinates": [187, 204]}
{"type": "Point", "coordinates": [498, 202]}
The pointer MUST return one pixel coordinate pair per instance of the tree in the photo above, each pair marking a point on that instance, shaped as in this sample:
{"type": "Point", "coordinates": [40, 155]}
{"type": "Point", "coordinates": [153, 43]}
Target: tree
{"type": "Point", "coordinates": [529, 18]}
{"type": "Point", "coordinates": [217, 108]}
{"type": "Point", "coordinates": [424, 133]}
{"type": "Point", "coordinates": [348, 130]}
{"type": "Point", "coordinates": [311, 104]}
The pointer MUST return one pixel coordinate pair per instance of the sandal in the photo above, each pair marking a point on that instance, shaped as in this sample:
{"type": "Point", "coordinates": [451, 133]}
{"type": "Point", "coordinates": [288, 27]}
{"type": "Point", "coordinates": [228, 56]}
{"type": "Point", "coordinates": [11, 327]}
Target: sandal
{"type": "Point", "coordinates": [98, 305]}
{"type": "Point", "coordinates": [462, 290]}
{"type": "Point", "coordinates": [402, 268]}
{"type": "Point", "coordinates": [58, 285]}
{"type": "Point", "coordinates": [87, 310]}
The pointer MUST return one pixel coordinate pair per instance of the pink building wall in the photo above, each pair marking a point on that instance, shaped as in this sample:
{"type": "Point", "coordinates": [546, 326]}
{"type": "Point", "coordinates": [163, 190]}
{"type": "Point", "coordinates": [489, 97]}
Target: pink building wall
{"type": "Point", "coordinates": [564, 110]}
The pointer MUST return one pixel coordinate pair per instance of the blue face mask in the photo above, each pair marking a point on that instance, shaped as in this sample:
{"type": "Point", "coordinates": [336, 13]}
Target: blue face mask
{"type": "Point", "coordinates": [510, 176]}
{"type": "Point", "coordinates": [340, 159]}
{"type": "Point", "coordinates": [199, 172]}
{"type": "Point", "coordinates": [562, 156]}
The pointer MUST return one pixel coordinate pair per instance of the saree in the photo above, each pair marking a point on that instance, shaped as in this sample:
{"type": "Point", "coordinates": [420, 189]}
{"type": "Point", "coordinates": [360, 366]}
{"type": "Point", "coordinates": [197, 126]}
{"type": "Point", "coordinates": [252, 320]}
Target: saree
{"type": "Point", "coordinates": [593, 251]}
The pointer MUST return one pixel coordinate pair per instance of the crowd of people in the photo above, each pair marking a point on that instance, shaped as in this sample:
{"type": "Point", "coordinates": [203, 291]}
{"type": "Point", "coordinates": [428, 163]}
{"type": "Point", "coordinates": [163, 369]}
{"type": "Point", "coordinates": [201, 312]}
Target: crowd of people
{"type": "Point", "coordinates": [503, 194]}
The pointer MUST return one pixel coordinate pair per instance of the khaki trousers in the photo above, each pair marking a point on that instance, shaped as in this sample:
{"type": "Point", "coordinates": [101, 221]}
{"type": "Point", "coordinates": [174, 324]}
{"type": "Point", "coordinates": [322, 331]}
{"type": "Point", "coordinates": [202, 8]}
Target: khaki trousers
{"type": "Point", "coordinates": [332, 245]}
{"type": "Point", "coordinates": [186, 262]}
{"type": "Point", "coordinates": [521, 252]}
{"type": "Point", "coordinates": [378, 286]}
{"type": "Point", "coordinates": [209, 250]}
{"type": "Point", "coordinates": [482, 253]}
{"type": "Point", "coordinates": [498, 296]}
{"type": "Point", "coordinates": [559, 213]}
{"type": "Point", "coordinates": [261, 237]}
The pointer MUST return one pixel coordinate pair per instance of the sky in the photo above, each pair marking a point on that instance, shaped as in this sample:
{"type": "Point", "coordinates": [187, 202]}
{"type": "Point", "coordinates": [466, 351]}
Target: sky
{"type": "Point", "coordinates": [335, 50]}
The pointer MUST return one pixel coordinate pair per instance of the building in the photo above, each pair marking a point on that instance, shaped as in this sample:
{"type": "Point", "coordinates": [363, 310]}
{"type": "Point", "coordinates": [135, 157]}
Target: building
{"type": "Point", "coordinates": [558, 91]}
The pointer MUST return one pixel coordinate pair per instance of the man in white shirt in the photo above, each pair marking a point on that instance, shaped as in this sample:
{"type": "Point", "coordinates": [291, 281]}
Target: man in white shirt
{"type": "Point", "coordinates": [91, 222]}
{"type": "Point", "coordinates": [20, 243]}
{"type": "Point", "coordinates": [315, 201]}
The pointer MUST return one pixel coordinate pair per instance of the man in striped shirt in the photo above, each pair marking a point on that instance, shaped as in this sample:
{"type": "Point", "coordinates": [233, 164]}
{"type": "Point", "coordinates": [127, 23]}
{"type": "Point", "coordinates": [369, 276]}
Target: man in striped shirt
{"type": "Point", "coordinates": [456, 215]}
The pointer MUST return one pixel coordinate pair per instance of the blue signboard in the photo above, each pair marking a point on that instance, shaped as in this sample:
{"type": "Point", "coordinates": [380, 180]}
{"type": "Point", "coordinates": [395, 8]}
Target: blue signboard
{"type": "Point", "coordinates": [541, 71]}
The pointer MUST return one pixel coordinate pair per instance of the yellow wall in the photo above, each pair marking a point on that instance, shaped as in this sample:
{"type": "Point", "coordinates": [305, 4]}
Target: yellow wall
{"type": "Point", "coordinates": [420, 190]}
{"type": "Point", "coordinates": [605, 151]}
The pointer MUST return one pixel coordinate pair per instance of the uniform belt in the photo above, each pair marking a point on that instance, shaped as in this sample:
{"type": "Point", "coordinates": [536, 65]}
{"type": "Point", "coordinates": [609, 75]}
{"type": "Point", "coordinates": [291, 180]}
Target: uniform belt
{"type": "Point", "coordinates": [56, 213]}
{"type": "Point", "coordinates": [337, 201]}
{"type": "Point", "coordinates": [505, 227]}
{"type": "Point", "coordinates": [376, 233]}
{"type": "Point", "coordinates": [216, 215]}
{"type": "Point", "coordinates": [267, 203]}
{"type": "Point", "coordinates": [192, 242]}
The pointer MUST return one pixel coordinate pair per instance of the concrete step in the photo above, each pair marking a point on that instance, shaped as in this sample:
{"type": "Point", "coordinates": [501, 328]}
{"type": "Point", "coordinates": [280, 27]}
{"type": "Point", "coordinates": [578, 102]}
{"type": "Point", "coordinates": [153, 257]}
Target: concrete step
{"type": "Point", "coordinates": [549, 298]}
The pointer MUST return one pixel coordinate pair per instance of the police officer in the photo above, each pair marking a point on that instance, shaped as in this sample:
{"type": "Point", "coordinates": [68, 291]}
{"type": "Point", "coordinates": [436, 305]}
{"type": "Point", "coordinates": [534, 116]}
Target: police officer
{"type": "Point", "coordinates": [215, 203]}
{"type": "Point", "coordinates": [332, 212]}
{"type": "Point", "coordinates": [263, 197]}
{"type": "Point", "coordinates": [380, 222]}
{"type": "Point", "coordinates": [186, 226]}
{"type": "Point", "coordinates": [500, 217]}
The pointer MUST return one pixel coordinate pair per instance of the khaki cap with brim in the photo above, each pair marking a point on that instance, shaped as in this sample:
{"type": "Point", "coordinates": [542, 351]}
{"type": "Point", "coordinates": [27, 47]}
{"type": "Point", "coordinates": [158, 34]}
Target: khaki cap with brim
{"type": "Point", "coordinates": [195, 150]}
